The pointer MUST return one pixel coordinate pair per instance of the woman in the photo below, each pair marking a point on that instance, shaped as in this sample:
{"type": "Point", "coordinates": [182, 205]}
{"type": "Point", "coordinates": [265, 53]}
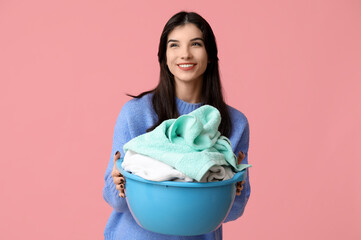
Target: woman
{"type": "Point", "coordinates": [189, 78]}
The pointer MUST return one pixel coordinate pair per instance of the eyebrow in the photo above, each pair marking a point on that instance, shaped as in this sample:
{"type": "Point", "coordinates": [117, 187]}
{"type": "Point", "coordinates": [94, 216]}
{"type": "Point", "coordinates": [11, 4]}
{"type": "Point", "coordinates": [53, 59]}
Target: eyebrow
{"type": "Point", "coordinates": [193, 39]}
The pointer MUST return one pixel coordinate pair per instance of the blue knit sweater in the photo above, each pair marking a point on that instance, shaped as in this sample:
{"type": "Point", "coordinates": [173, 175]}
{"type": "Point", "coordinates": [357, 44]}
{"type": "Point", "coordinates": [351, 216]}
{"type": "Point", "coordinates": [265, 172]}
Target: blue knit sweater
{"type": "Point", "coordinates": [136, 116]}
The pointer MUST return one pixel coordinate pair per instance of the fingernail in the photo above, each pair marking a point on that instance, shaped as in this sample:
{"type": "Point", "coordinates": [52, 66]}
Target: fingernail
{"type": "Point", "coordinates": [122, 195]}
{"type": "Point", "coordinates": [121, 186]}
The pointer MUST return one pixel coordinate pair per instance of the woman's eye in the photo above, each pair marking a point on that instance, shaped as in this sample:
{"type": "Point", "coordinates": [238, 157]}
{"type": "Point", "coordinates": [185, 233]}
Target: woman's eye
{"type": "Point", "coordinates": [196, 44]}
{"type": "Point", "coordinates": [173, 45]}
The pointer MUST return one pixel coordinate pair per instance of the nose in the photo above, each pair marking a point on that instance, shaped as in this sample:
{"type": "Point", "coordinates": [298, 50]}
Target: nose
{"type": "Point", "coordinates": [186, 53]}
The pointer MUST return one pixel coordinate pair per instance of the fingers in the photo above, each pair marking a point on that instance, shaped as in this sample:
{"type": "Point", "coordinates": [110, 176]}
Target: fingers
{"type": "Point", "coordinates": [120, 187]}
{"type": "Point", "coordinates": [122, 180]}
{"type": "Point", "coordinates": [116, 156]}
{"type": "Point", "coordinates": [115, 172]}
{"type": "Point", "coordinates": [240, 157]}
{"type": "Point", "coordinates": [118, 178]}
{"type": "Point", "coordinates": [239, 188]}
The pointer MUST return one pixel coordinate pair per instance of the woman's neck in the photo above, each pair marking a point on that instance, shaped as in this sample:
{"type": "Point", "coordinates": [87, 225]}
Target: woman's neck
{"type": "Point", "coordinates": [189, 92]}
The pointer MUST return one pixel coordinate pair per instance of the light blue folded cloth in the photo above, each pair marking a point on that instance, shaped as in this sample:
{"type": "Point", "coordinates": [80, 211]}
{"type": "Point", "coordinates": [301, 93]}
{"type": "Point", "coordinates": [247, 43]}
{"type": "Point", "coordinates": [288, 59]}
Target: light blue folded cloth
{"type": "Point", "coordinates": [191, 143]}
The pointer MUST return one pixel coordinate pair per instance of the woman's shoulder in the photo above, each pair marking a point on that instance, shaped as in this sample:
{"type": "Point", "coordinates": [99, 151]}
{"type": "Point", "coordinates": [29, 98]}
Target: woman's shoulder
{"type": "Point", "coordinates": [139, 110]}
{"type": "Point", "coordinates": [138, 105]}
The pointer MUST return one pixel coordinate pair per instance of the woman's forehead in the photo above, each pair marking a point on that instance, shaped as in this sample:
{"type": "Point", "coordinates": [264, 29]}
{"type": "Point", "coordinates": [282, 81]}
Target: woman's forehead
{"type": "Point", "coordinates": [185, 32]}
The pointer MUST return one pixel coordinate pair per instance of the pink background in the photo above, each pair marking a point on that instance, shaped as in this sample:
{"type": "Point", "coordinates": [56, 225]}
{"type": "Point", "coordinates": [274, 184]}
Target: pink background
{"type": "Point", "coordinates": [293, 67]}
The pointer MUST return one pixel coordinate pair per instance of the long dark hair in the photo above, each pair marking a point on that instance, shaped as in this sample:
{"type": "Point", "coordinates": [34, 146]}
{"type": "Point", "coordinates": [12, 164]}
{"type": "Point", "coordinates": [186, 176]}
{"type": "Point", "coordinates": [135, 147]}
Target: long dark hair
{"type": "Point", "coordinates": [164, 102]}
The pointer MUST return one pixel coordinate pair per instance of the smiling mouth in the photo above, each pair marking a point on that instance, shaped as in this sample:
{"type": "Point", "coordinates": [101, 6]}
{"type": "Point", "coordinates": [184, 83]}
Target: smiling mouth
{"type": "Point", "coordinates": [186, 66]}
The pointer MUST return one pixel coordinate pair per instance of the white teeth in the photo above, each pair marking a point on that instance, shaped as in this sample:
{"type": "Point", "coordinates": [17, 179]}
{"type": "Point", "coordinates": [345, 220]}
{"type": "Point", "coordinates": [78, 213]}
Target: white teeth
{"type": "Point", "coordinates": [186, 65]}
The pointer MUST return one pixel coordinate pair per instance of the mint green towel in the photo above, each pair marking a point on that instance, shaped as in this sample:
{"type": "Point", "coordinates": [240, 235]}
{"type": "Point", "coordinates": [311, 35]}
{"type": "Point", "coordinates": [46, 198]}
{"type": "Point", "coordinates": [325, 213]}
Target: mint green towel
{"type": "Point", "coordinates": [191, 143]}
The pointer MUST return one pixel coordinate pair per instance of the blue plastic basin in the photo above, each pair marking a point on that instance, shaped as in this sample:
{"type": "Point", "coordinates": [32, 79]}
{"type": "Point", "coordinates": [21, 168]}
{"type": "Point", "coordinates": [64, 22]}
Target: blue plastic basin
{"type": "Point", "coordinates": [179, 208]}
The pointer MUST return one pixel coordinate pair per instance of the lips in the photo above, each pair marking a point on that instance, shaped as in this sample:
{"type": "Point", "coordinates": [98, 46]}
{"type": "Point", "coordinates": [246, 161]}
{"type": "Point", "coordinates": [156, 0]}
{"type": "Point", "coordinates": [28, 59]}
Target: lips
{"type": "Point", "coordinates": [186, 66]}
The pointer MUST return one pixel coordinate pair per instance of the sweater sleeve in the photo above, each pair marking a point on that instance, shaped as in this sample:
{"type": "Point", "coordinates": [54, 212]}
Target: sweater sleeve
{"type": "Point", "coordinates": [120, 137]}
{"type": "Point", "coordinates": [241, 201]}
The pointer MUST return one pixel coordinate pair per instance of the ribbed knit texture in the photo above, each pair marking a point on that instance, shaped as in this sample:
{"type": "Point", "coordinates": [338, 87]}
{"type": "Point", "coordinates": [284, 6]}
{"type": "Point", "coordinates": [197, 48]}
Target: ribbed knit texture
{"type": "Point", "coordinates": [136, 116]}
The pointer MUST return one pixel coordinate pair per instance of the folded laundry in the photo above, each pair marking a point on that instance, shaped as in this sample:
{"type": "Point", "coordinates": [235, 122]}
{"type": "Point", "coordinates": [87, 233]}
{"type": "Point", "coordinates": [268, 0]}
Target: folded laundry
{"type": "Point", "coordinates": [155, 170]}
{"type": "Point", "coordinates": [218, 173]}
{"type": "Point", "coordinates": [191, 143]}
{"type": "Point", "coordinates": [151, 169]}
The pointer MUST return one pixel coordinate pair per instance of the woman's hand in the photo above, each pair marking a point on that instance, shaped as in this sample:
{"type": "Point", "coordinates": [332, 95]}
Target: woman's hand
{"type": "Point", "coordinates": [118, 178]}
{"type": "Point", "coordinates": [239, 189]}
{"type": "Point", "coordinates": [240, 157]}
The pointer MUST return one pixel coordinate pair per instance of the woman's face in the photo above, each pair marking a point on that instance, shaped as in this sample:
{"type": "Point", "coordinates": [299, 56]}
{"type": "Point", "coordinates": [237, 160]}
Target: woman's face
{"type": "Point", "coordinates": [186, 54]}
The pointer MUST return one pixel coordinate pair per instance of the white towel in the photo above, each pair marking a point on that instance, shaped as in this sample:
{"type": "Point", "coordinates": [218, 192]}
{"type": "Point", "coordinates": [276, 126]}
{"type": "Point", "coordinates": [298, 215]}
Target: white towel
{"type": "Point", "coordinates": [155, 170]}
{"type": "Point", "coordinates": [151, 169]}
